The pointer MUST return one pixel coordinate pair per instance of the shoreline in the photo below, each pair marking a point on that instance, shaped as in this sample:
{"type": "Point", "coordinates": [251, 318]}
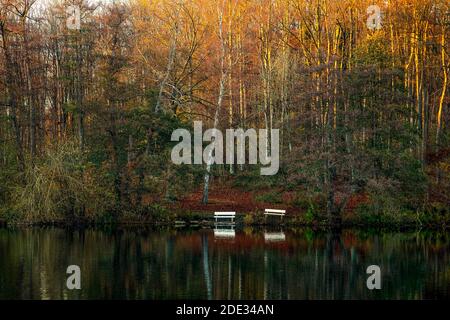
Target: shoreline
{"type": "Point", "coordinates": [209, 223]}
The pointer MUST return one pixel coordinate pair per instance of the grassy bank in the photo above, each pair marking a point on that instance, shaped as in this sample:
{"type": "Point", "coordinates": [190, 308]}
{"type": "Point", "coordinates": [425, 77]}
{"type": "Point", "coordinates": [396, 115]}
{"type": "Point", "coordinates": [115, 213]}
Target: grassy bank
{"type": "Point", "coordinates": [66, 186]}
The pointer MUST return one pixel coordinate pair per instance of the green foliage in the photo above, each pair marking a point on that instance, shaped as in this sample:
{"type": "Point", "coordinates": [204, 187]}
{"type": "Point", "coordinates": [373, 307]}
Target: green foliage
{"type": "Point", "coordinates": [435, 213]}
{"type": "Point", "coordinates": [248, 219]}
{"type": "Point", "coordinates": [374, 50]}
{"type": "Point", "coordinates": [386, 204]}
{"type": "Point", "coordinates": [142, 168]}
{"type": "Point", "coordinates": [154, 213]}
{"type": "Point", "coordinates": [9, 174]}
{"type": "Point", "coordinates": [250, 178]}
{"type": "Point", "coordinates": [310, 214]}
{"type": "Point", "coordinates": [61, 185]}
{"type": "Point", "coordinates": [309, 235]}
{"type": "Point", "coordinates": [270, 197]}
{"type": "Point", "coordinates": [397, 187]}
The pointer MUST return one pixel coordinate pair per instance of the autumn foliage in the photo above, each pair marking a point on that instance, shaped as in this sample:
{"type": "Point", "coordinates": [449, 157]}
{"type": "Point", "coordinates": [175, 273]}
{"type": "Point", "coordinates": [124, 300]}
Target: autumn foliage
{"type": "Point", "coordinates": [362, 113]}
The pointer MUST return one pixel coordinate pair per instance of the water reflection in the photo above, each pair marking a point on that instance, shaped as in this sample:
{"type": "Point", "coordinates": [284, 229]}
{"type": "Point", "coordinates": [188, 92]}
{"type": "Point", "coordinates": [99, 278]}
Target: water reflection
{"type": "Point", "coordinates": [224, 231]}
{"type": "Point", "coordinates": [195, 264]}
{"type": "Point", "coordinates": [274, 236]}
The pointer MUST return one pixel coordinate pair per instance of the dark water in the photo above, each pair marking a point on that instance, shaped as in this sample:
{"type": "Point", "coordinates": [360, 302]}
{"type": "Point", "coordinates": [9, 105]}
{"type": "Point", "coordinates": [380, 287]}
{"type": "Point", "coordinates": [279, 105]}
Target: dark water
{"type": "Point", "coordinates": [197, 264]}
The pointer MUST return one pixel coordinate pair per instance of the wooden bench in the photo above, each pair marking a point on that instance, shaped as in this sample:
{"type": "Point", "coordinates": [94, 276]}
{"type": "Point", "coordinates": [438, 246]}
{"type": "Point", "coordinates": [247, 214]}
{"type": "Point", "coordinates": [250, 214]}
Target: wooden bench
{"type": "Point", "coordinates": [275, 212]}
{"type": "Point", "coordinates": [225, 215]}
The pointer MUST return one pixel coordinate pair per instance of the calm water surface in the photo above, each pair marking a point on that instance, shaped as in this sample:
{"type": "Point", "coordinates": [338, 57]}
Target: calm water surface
{"type": "Point", "coordinates": [203, 264]}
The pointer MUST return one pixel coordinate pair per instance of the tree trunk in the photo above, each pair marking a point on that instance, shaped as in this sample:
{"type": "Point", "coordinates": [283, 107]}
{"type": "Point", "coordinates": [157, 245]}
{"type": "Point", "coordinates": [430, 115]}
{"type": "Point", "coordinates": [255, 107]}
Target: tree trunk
{"type": "Point", "coordinates": [218, 106]}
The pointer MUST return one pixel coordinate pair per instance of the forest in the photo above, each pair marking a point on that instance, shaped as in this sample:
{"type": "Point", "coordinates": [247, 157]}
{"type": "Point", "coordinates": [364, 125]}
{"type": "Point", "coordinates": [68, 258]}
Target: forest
{"type": "Point", "coordinates": [88, 104]}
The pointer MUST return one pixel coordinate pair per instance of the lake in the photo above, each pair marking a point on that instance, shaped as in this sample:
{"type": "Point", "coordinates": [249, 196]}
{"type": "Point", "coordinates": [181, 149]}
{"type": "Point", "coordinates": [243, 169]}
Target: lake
{"type": "Point", "coordinates": [249, 263]}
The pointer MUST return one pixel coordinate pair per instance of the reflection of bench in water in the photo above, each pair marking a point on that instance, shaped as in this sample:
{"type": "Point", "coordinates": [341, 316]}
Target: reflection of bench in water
{"type": "Point", "coordinates": [274, 236]}
{"type": "Point", "coordinates": [224, 233]}
{"type": "Point", "coordinates": [224, 229]}
{"type": "Point", "coordinates": [225, 215]}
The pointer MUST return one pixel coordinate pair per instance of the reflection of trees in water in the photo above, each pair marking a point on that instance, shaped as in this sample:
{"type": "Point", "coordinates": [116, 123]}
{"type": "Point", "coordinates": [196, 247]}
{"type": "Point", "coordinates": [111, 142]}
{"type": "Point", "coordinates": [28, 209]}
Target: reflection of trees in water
{"type": "Point", "coordinates": [136, 264]}
{"type": "Point", "coordinates": [206, 266]}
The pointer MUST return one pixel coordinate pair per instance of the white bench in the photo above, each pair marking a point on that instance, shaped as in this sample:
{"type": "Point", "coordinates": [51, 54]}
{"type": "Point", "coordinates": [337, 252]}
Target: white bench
{"type": "Point", "coordinates": [225, 215]}
{"type": "Point", "coordinates": [275, 212]}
